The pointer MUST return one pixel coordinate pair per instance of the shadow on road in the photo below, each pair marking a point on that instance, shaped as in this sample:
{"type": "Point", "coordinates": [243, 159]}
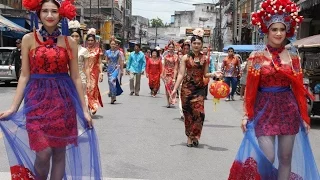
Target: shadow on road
{"type": "Point", "coordinates": [97, 117]}
{"type": "Point", "coordinates": [315, 122]}
{"type": "Point", "coordinates": [220, 126]}
{"type": "Point", "coordinates": [203, 146]}
{"type": "Point", "coordinates": [8, 85]}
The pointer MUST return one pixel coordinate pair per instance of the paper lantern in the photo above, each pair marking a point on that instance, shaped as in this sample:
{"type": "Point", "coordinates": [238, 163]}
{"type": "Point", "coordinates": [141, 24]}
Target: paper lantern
{"type": "Point", "coordinates": [219, 89]}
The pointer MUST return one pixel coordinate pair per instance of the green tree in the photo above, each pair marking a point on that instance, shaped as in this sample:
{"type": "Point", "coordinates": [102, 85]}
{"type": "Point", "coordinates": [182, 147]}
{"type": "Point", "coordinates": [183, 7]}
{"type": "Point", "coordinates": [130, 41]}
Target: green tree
{"type": "Point", "coordinates": [156, 22]}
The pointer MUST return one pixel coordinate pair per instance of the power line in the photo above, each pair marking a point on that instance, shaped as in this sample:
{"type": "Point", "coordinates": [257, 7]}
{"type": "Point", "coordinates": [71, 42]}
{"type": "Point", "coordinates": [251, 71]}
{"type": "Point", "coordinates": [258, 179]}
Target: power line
{"type": "Point", "coordinates": [151, 10]}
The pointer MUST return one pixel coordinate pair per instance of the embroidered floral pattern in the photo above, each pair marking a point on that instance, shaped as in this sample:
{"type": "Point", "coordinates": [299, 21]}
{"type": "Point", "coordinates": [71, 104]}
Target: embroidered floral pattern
{"type": "Point", "coordinates": [18, 172]}
{"type": "Point", "coordinates": [192, 97]}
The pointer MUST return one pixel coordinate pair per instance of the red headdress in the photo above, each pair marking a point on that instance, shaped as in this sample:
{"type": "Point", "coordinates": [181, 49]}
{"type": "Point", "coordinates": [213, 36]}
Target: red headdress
{"type": "Point", "coordinates": [66, 10]}
{"type": "Point", "coordinates": [273, 11]}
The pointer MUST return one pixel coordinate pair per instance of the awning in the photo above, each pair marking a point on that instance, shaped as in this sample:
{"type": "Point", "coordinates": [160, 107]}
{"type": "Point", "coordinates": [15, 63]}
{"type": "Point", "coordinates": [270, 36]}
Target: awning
{"type": "Point", "coordinates": [18, 20]}
{"type": "Point", "coordinates": [7, 25]}
{"type": "Point", "coordinates": [241, 48]}
{"type": "Point", "coordinates": [306, 4]}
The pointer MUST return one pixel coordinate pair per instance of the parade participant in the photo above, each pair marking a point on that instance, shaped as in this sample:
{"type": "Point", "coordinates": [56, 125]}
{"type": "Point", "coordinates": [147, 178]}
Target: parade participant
{"type": "Point", "coordinates": [153, 72]}
{"type": "Point", "coordinates": [75, 33]}
{"type": "Point", "coordinates": [243, 78]}
{"type": "Point", "coordinates": [185, 49]}
{"type": "Point", "coordinates": [122, 58]}
{"type": "Point", "coordinates": [115, 67]}
{"type": "Point", "coordinates": [169, 73]}
{"type": "Point", "coordinates": [43, 132]}
{"type": "Point", "coordinates": [95, 70]}
{"type": "Point", "coordinates": [231, 70]}
{"type": "Point", "coordinates": [136, 66]}
{"type": "Point", "coordinates": [15, 59]}
{"type": "Point", "coordinates": [276, 122]}
{"type": "Point", "coordinates": [206, 53]}
{"type": "Point", "coordinates": [193, 68]}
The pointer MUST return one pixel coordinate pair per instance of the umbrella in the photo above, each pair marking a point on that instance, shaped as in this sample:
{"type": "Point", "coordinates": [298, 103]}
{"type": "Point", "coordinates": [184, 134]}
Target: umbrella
{"type": "Point", "coordinates": [308, 42]}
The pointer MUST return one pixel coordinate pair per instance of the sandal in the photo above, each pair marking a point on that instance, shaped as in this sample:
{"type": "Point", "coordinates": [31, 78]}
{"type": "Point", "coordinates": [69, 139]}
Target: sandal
{"type": "Point", "coordinates": [195, 143]}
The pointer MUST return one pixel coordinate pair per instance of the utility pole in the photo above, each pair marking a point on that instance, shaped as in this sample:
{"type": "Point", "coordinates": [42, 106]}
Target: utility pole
{"type": "Point", "coordinates": [124, 25]}
{"type": "Point", "coordinates": [220, 26]}
{"type": "Point", "coordinates": [90, 14]}
{"type": "Point", "coordinates": [112, 17]}
{"type": "Point", "coordinates": [155, 41]}
{"type": "Point", "coordinates": [99, 15]}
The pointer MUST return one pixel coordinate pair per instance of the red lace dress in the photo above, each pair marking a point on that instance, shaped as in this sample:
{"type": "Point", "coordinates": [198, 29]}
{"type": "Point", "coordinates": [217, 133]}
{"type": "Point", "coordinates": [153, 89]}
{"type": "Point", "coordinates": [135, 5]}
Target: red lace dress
{"type": "Point", "coordinates": [154, 69]}
{"type": "Point", "coordinates": [50, 113]}
{"type": "Point", "coordinates": [279, 111]}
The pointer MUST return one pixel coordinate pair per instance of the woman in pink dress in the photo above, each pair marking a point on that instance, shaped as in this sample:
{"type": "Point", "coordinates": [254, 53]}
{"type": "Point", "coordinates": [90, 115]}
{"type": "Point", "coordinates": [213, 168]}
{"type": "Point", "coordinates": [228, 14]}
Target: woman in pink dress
{"type": "Point", "coordinates": [169, 73]}
{"type": "Point", "coordinates": [41, 137]}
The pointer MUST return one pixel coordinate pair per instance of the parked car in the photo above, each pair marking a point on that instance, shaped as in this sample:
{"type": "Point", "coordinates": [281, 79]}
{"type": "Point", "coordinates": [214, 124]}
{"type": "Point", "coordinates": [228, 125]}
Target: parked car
{"type": "Point", "coordinates": [7, 74]}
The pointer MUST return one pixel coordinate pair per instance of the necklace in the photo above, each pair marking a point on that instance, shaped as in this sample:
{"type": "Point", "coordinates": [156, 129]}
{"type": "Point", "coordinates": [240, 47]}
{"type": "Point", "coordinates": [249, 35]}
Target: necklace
{"type": "Point", "coordinates": [295, 71]}
{"type": "Point", "coordinates": [49, 39]}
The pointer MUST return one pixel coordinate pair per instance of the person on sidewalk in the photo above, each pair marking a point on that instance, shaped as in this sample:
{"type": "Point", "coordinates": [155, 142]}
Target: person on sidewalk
{"type": "Point", "coordinates": [136, 66]}
{"type": "Point", "coordinates": [276, 123]}
{"type": "Point", "coordinates": [15, 59]}
{"type": "Point", "coordinates": [231, 71]}
{"type": "Point", "coordinates": [193, 69]}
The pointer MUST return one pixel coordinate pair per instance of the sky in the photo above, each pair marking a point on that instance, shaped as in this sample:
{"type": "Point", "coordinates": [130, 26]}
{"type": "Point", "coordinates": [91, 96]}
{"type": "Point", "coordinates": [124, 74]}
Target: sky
{"type": "Point", "coordinates": [163, 8]}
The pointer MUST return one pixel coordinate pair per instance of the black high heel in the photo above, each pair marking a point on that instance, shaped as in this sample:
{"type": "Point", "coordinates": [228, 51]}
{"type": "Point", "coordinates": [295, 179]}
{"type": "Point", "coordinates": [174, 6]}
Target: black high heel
{"type": "Point", "coordinates": [195, 143]}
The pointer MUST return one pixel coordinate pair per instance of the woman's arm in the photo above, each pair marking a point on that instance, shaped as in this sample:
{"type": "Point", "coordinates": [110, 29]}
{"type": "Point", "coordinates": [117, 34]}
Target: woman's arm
{"type": "Point", "coordinates": [181, 73]}
{"type": "Point", "coordinates": [176, 65]}
{"type": "Point", "coordinates": [25, 71]}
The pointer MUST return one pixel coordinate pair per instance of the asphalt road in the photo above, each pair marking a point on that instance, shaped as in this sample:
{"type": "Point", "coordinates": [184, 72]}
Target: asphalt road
{"type": "Point", "coordinates": [142, 139]}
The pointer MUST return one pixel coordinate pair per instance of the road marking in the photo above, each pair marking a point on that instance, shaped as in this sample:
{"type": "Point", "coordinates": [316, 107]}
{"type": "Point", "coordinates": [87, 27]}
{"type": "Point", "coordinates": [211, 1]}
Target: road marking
{"type": "Point", "coordinates": [107, 92]}
{"type": "Point", "coordinates": [7, 176]}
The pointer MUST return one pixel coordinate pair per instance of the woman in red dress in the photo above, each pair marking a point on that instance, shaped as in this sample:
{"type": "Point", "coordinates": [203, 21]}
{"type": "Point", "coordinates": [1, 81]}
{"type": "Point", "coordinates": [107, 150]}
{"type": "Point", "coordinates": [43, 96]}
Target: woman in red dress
{"type": "Point", "coordinates": [193, 68]}
{"type": "Point", "coordinates": [43, 132]}
{"type": "Point", "coordinates": [154, 70]}
{"type": "Point", "coordinates": [276, 122]}
{"type": "Point", "coordinates": [96, 73]}
{"type": "Point", "coordinates": [169, 72]}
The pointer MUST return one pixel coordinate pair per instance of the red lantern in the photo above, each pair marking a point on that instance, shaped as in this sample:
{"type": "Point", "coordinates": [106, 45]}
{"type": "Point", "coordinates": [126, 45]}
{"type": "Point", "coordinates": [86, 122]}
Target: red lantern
{"type": "Point", "coordinates": [219, 89]}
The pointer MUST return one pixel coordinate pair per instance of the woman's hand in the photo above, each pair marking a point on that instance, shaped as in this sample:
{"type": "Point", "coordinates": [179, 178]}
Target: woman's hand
{"type": "Point", "coordinates": [89, 119]}
{"type": "Point", "coordinates": [100, 77]}
{"type": "Point", "coordinates": [5, 114]}
{"type": "Point", "coordinates": [173, 96]}
{"type": "Point", "coordinates": [147, 75]}
{"type": "Point", "coordinates": [307, 126]}
{"type": "Point", "coordinates": [244, 125]}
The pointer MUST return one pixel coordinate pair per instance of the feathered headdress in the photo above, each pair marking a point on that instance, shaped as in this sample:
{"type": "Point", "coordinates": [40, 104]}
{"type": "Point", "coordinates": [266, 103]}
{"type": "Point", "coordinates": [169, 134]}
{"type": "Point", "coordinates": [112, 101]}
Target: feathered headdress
{"type": "Point", "coordinates": [66, 10]}
{"type": "Point", "coordinates": [273, 11]}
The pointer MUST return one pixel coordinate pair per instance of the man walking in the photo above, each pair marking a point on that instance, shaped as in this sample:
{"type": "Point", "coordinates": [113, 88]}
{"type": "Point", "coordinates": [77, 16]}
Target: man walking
{"type": "Point", "coordinates": [231, 70]}
{"type": "Point", "coordinates": [15, 59]}
{"type": "Point", "coordinates": [136, 66]}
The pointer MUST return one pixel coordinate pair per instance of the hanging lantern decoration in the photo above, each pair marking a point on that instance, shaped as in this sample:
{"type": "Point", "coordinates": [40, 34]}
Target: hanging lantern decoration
{"type": "Point", "coordinates": [218, 90]}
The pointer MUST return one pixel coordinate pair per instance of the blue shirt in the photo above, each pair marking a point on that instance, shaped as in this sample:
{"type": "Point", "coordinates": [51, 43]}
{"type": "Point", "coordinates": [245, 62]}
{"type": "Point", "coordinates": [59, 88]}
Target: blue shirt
{"type": "Point", "coordinates": [136, 62]}
{"type": "Point", "coordinates": [212, 67]}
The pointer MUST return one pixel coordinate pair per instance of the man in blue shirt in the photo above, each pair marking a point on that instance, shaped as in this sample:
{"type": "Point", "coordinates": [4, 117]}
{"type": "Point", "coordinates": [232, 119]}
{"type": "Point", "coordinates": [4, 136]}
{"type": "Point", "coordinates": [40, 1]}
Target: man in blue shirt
{"type": "Point", "coordinates": [136, 65]}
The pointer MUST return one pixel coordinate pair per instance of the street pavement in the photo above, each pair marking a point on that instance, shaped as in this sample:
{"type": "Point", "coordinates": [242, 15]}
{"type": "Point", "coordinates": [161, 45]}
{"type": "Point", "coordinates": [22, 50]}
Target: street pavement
{"type": "Point", "coordinates": [142, 139]}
